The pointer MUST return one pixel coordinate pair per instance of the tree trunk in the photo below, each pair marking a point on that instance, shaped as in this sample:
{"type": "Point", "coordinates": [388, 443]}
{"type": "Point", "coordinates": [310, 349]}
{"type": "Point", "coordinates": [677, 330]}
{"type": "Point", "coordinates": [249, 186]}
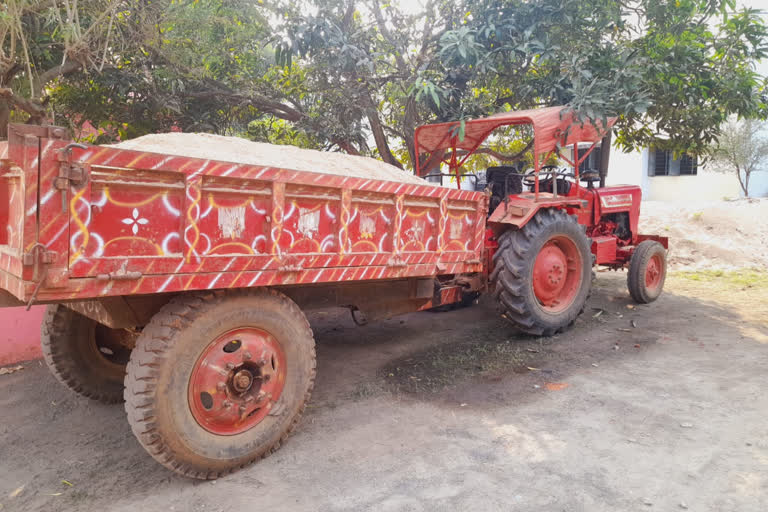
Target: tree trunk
{"type": "Point", "coordinates": [744, 186]}
{"type": "Point", "coordinates": [746, 183]}
{"type": "Point", "coordinates": [381, 138]}
{"type": "Point", "coordinates": [5, 117]}
{"type": "Point", "coordinates": [409, 128]}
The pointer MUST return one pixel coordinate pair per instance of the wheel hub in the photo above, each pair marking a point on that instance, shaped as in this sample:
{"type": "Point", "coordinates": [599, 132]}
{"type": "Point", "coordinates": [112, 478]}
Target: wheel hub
{"type": "Point", "coordinates": [653, 272]}
{"type": "Point", "coordinates": [230, 390]}
{"type": "Point", "coordinates": [557, 274]}
{"type": "Point", "coordinates": [242, 381]}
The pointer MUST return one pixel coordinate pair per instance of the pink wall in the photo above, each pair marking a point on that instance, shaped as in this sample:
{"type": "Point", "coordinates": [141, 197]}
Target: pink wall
{"type": "Point", "coordinates": [20, 334]}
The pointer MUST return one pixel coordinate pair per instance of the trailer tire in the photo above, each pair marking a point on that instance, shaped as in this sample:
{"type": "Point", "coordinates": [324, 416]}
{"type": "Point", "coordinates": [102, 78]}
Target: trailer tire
{"type": "Point", "coordinates": [77, 351]}
{"type": "Point", "coordinates": [179, 352]}
{"type": "Point", "coordinates": [647, 271]}
{"type": "Point", "coordinates": [532, 289]}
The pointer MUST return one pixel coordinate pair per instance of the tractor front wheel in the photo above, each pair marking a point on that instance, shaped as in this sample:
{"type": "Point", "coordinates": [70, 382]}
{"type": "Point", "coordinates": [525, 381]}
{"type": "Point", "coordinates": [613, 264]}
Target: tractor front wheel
{"type": "Point", "coordinates": [647, 271]}
{"type": "Point", "coordinates": [542, 273]}
{"type": "Point", "coordinates": [218, 380]}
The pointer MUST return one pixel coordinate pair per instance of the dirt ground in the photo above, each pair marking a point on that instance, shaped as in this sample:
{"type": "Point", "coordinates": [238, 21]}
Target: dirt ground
{"type": "Point", "coordinates": [711, 234]}
{"type": "Point", "coordinates": [657, 407]}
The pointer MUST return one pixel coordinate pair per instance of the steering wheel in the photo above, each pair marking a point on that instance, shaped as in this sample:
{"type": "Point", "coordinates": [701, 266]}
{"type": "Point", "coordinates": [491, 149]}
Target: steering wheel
{"type": "Point", "coordinates": [545, 172]}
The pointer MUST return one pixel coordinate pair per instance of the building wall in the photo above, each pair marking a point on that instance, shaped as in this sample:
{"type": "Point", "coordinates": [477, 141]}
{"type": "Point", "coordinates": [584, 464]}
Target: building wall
{"type": "Point", "coordinates": [20, 334]}
{"type": "Point", "coordinates": [632, 169]}
{"type": "Point", "coordinates": [704, 186]}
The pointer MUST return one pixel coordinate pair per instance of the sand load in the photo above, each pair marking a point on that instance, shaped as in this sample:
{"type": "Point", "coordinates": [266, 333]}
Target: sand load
{"type": "Point", "coordinates": [243, 151]}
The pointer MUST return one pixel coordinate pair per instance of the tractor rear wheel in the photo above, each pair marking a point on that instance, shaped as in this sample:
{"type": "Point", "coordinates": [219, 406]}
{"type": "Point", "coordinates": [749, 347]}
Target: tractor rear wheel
{"type": "Point", "coordinates": [542, 273]}
{"type": "Point", "coordinates": [84, 355]}
{"type": "Point", "coordinates": [647, 271]}
{"type": "Point", "coordinates": [219, 380]}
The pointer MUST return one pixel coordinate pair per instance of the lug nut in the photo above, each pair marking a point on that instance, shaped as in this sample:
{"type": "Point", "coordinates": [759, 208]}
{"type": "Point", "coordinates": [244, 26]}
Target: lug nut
{"type": "Point", "coordinates": [227, 404]}
{"type": "Point", "coordinates": [266, 377]}
{"type": "Point", "coordinates": [230, 366]}
{"type": "Point", "coordinates": [261, 362]}
{"type": "Point", "coordinates": [241, 409]}
{"type": "Point", "coordinates": [247, 355]}
{"type": "Point", "coordinates": [221, 386]}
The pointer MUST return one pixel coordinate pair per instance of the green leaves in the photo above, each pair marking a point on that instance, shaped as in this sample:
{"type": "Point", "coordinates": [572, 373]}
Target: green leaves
{"type": "Point", "coordinates": [425, 89]}
{"type": "Point", "coordinates": [362, 75]}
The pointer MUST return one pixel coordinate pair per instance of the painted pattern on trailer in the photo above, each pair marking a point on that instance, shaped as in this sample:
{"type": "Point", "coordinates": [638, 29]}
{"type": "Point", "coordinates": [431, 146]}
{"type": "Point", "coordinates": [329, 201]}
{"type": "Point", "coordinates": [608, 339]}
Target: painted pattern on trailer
{"type": "Point", "coordinates": [183, 224]}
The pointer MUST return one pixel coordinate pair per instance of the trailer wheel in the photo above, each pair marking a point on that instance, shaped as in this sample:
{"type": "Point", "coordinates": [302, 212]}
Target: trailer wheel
{"type": "Point", "coordinates": [218, 381]}
{"type": "Point", "coordinates": [647, 271]}
{"type": "Point", "coordinates": [87, 357]}
{"type": "Point", "coordinates": [542, 273]}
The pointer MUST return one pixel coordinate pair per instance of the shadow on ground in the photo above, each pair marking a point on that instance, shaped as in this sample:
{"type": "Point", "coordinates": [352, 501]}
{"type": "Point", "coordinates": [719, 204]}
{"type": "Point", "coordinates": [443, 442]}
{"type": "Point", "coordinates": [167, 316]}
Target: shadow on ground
{"type": "Point", "coordinates": [454, 380]}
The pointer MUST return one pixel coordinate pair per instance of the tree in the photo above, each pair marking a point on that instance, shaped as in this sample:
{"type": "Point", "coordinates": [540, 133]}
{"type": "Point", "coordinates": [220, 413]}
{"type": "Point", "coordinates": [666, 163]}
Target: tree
{"type": "Point", "coordinates": [43, 40]}
{"type": "Point", "coordinates": [360, 75]}
{"type": "Point", "coordinates": [671, 71]}
{"type": "Point", "coordinates": [742, 149]}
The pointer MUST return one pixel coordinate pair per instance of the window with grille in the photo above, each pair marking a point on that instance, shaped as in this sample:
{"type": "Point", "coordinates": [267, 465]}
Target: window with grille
{"type": "Point", "coordinates": [664, 163]}
{"type": "Point", "coordinates": [661, 163]}
{"type": "Point", "coordinates": [688, 165]}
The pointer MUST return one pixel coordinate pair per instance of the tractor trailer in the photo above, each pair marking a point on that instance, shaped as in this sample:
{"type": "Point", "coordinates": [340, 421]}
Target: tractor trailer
{"type": "Point", "coordinates": [176, 280]}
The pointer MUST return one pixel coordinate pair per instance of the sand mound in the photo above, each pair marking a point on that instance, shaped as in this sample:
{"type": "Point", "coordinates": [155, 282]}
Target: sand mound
{"type": "Point", "coordinates": [237, 150]}
{"type": "Point", "coordinates": [717, 234]}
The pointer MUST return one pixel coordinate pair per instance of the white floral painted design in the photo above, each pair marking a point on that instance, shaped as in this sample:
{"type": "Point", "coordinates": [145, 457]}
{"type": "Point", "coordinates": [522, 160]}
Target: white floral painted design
{"type": "Point", "coordinates": [135, 221]}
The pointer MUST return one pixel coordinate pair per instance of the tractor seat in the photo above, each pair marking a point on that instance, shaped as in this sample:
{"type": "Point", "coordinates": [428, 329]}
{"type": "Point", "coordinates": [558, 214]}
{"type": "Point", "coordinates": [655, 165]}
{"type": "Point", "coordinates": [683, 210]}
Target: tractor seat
{"type": "Point", "coordinates": [590, 177]}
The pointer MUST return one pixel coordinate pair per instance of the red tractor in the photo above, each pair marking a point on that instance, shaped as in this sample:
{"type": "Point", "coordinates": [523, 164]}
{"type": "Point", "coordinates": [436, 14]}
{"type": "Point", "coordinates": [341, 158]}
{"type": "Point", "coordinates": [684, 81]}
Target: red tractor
{"type": "Point", "coordinates": [547, 226]}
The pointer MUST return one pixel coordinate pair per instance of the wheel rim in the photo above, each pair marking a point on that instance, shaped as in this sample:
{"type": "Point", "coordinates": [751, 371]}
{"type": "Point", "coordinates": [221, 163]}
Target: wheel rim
{"type": "Point", "coordinates": [653, 272]}
{"type": "Point", "coordinates": [236, 381]}
{"type": "Point", "coordinates": [557, 274]}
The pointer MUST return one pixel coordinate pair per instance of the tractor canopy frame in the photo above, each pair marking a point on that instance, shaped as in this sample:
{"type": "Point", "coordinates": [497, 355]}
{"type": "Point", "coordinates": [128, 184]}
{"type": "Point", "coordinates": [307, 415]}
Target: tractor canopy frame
{"type": "Point", "coordinates": [553, 128]}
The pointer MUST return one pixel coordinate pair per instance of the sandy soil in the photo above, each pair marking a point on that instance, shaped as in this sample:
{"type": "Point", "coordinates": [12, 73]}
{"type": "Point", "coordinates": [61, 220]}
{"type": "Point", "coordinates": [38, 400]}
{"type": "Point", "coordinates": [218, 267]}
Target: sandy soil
{"type": "Point", "coordinates": [717, 234]}
{"type": "Point", "coordinates": [238, 150]}
{"type": "Point", "coordinates": [665, 415]}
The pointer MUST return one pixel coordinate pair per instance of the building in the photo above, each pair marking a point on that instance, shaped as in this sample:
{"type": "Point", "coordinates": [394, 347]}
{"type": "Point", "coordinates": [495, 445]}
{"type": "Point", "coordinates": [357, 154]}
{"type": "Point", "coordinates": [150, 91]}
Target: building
{"type": "Point", "coordinates": [663, 177]}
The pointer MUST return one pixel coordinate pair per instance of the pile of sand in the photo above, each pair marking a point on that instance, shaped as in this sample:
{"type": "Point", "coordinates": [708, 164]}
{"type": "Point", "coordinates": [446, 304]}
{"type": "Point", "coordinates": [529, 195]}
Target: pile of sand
{"type": "Point", "coordinates": [716, 234]}
{"type": "Point", "coordinates": [242, 151]}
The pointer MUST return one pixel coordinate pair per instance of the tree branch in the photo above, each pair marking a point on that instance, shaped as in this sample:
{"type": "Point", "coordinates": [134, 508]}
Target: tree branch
{"type": "Point", "coordinates": [275, 108]}
{"type": "Point", "coordinates": [69, 66]}
{"type": "Point", "coordinates": [382, 24]}
{"type": "Point", "coordinates": [33, 108]}
{"type": "Point", "coordinates": [497, 155]}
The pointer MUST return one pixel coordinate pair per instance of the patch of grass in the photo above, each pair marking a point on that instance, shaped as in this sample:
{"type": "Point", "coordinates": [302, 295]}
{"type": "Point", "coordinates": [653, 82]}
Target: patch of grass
{"type": "Point", "coordinates": [743, 278]}
{"type": "Point", "coordinates": [442, 366]}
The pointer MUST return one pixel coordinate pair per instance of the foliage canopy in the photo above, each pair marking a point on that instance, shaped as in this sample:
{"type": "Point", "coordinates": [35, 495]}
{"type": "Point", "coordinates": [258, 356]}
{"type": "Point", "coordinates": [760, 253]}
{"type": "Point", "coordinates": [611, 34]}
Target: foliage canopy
{"type": "Point", "coordinates": [361, 75]}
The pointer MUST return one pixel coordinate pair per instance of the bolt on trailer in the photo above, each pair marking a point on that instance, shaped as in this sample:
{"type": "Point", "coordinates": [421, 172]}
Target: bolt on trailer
{"type": "Point", "coordinates": [178, 283]}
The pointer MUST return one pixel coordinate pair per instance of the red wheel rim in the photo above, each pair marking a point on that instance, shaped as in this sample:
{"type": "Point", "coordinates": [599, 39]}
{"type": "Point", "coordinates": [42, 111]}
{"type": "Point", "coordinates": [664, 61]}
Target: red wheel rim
{"type": "Point", "coordinates": [557, 274]}
{"type": "Point", "coordinates": [653, 272]}
{"type": "Point", "coordinates": [236, 381]}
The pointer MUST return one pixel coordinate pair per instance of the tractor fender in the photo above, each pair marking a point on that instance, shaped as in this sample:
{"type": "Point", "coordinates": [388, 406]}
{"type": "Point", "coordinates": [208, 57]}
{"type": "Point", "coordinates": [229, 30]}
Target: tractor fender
{"type": "Point", "coordinates": [517, 211]}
